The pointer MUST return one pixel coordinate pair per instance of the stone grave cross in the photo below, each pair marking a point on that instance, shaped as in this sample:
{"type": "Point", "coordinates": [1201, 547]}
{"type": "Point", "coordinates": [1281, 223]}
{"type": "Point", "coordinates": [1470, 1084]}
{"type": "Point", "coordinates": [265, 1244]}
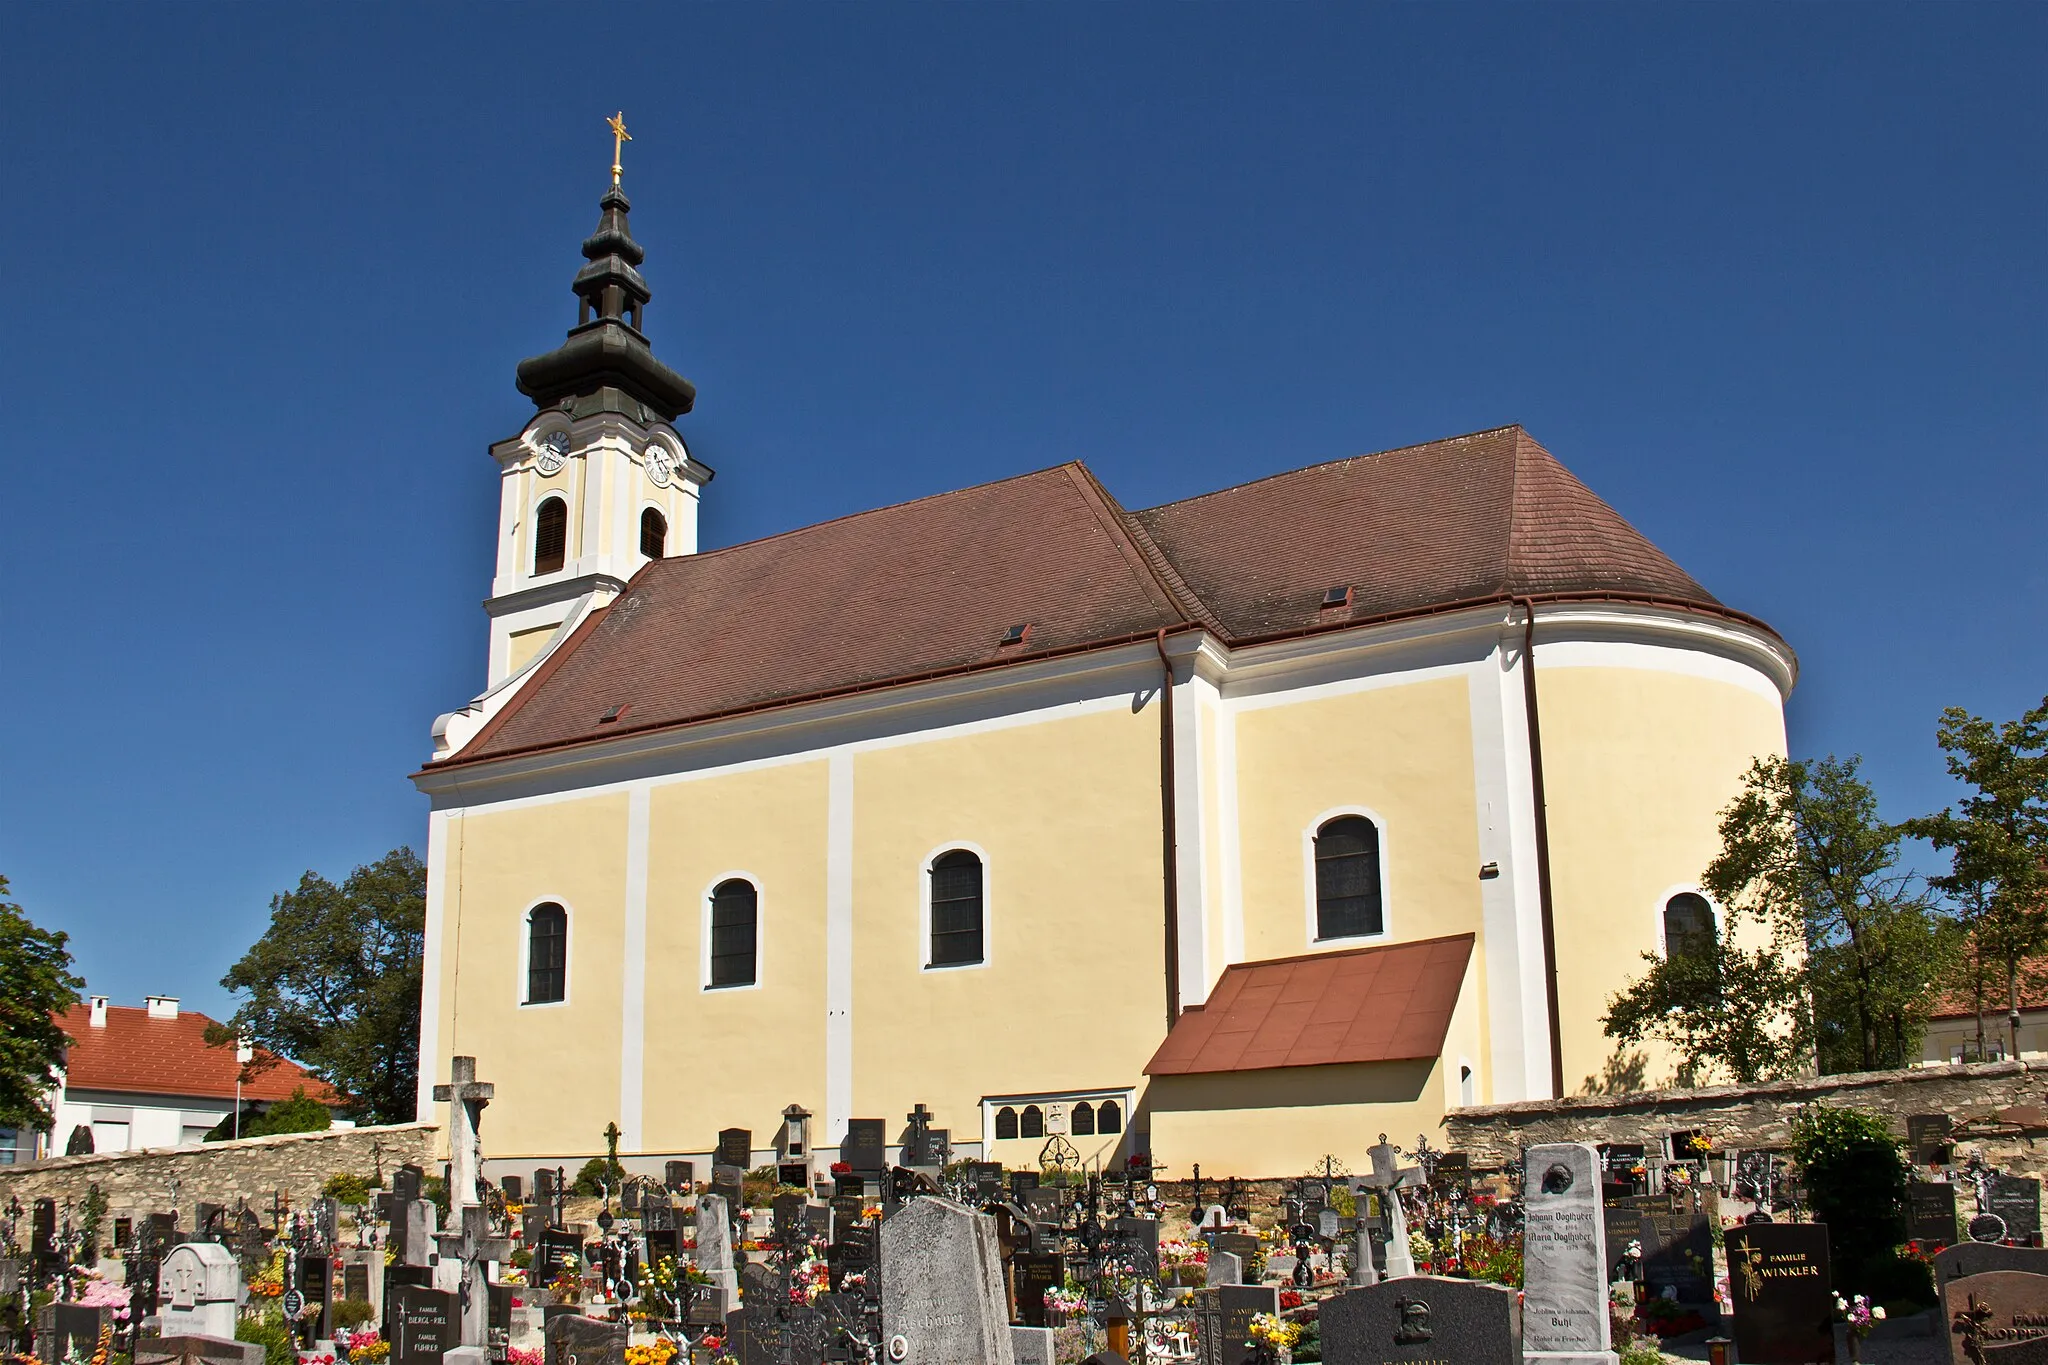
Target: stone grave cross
{"type": "Point", "coordinates": [472, 1250]}
{"type": "Point", "coordinates": [465, 1097]}
{"type": "Point", "coordinates": [1388, 1179]}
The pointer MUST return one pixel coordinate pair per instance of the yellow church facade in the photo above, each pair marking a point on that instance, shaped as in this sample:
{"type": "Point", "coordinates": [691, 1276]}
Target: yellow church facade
{"type": "Point", "coordinates": [1237, 831]}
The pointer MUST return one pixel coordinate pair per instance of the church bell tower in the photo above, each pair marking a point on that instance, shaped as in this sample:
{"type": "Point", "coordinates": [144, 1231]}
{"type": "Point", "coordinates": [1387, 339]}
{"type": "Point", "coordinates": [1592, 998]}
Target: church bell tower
{"type": "Point", "coordinates": [599, 481]}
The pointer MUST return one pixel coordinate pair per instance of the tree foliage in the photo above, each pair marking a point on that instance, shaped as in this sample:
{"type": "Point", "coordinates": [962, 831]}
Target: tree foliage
{"type": "Point", "coordinates": [1684, 1000]}
{"type": "Point", "coordinates": [36, 985]}
{"type": "Point", "coordinates": [334, 983]}
{"type": "Point", "coordinates": [299, 1114]}
{"type": "Point", "coordinates": [1997, 841]}
{"type": "Point", "coordinates": [1856, 1182]}
{"type": "Point", "coordinates": [1804, 853]}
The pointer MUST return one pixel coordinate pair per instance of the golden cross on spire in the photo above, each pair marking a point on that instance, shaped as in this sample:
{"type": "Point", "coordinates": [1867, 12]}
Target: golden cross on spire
{"type": "Point", "coordinates": [620, 137]}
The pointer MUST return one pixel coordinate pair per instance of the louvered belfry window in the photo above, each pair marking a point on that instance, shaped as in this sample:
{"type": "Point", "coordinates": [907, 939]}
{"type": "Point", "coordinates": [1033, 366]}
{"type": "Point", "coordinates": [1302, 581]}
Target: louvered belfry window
{"type": "Point", "coordinates": [1348, 878]}
{"type": "Point", "coordinates": [735, 921]}
{"type": "Point", "coordinates": [956, 909]}
{"type": "Point", "coordinates": [653, 533]}
{"type": "Point", "coordinates": [550, 536]}
{"type": "Point", "coordinates": [547, 954]}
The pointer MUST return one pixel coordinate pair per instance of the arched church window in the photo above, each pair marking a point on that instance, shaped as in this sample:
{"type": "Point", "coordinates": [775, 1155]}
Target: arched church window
{"type": "Point", "coordinates": [1082, 1121]}
{"type": "Point", "coordinates": [1006, 1123]}
{"type": "Point", "coordinates": [547, 954]}
{"type": "Point", "coordinates": [735, 922]}
{"type": "Point", "coordinates": [956, 909]}
{"type": "Point", "coordinates": [1108, 1117]}
{"type": "Point", "coordinates": [550, 535]}
{"type": "Point", "coordinates": [1034, 1122]}
{"type": "Point", "coordinates": [653, 533]}
{"type": "Point", "coordinates": [1348, 878]}
{"type": "Point", "coordinates": [1688, 925]}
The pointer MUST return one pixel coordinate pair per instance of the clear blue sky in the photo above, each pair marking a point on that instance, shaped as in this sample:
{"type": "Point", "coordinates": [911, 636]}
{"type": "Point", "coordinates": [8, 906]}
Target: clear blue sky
{"type": "Point", "coordinates": [1770, 279]}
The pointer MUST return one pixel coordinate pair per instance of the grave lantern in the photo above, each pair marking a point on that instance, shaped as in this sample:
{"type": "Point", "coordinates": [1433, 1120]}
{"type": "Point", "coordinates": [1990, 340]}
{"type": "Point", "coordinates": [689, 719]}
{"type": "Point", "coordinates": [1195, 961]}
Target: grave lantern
{"type": "Point", "coordinates": [796, 1132]}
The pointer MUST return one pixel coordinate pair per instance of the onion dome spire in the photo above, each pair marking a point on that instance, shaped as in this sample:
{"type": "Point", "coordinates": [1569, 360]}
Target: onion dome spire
{"type": "Point", "coordinates": [606, 350]}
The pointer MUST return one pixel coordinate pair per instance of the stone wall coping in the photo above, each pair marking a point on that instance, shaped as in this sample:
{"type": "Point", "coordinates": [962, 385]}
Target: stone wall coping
{"type": "Point", "coordinates": [1810, 1087]}
{"type": "Point", "coordinates": [53, 1164]}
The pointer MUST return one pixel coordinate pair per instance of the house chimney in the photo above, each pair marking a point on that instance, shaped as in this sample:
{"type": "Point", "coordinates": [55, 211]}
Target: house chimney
{"type": "Point", "coordinates": [161, 1006]}
{"type": "Point", "coordinates": [99, 1011]}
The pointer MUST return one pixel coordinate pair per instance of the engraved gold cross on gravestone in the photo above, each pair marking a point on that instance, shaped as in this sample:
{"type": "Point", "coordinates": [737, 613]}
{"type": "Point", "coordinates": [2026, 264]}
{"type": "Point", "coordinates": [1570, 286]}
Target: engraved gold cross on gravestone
{"type": "Point", "coordinates": [620, 137]}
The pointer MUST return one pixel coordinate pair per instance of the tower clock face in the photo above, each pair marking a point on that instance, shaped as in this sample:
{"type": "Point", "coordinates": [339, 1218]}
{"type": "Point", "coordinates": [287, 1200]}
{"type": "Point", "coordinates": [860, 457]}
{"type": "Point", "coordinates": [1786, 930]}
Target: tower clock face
{"type": "Point", "coordinates": [554, 450]}
{"type": "Point", "coordinates": [661, 466]}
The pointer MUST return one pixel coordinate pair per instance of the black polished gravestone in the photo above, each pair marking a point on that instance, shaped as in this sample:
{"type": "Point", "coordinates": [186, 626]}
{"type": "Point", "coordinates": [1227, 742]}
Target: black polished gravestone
{"type": "Point", "coordinates": [2017, 1200]}
{"type": "Point", "coordinates": [987, 1177]}
{"type": "Point", "coordinates": [355, 1281]}
{"type": "Point", "coordinates": [853, 1252]}
{"type": "Point", "coordinates": [1031, 1275]}
{"type": "Point", "coordinates": [513, 1188]}
{"type": "Point", "coordinates": [735, 1148]}
{"type": "Point", "coordinates": [68, 1330]}
{"type": "Point", "coordinates": [1927, 1135]}
{"type": "Point", "coordinates": [1678, 1245]}
{"type": "Point", "coordinates": [1625, 1225]}
{"type": "Point", "coordinates": [498, 1324]}
{"type": "Point", "coordinates": [572, 1339]}
{"type": "Point", "coordinates": [678, 1176]}
{"type": "Point", "coordinates": [1223, 1321]}
{"type": "Point", "coordinates": [1782, 1293]}
{"type": "Point", "coordinates": [1931, 1213]}
{"type": "Point", "coordinates": [1423, 1320]}
{"type": "Point", "coordinates": [865, 1146]}
{"type": "Point", "coordinates": [664, 1244]}
{"type": "Point", "coordinates": [776, 1334]}
{"type": "Point", "coordinates": [406, 1182]}
{"type": "Point", "coordinates": [426, 1324]}
{"type": "Point", "coordinates": [316, 1282]}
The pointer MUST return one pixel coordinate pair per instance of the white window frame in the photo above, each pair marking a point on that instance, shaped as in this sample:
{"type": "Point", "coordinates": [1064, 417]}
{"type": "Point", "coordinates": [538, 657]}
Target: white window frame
{"type": "Point", "coordinates": [1680, 889]}
{"type": "Point", "coordinates": [1308, 879]}
{"type": "Point", "coordinates": [1126, 1102]}
{"type": "Point", "coordinates": [924, 909]}
{"type": "Point", "coordinates": [526, 953]}
{"type": "Point", "coordinates": [704, 933]}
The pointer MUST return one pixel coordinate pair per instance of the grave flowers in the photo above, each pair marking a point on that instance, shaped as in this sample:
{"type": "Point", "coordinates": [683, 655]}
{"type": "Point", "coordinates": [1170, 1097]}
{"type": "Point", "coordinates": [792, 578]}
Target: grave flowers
{"type": "Point", "coordinates": [1860, 1315]}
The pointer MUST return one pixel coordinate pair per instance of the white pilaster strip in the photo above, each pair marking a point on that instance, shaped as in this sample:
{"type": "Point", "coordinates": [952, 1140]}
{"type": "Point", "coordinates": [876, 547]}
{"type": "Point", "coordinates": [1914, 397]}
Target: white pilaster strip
{"type": "Point", "coordinates": [838, 945]}
{"type": "Point", "coordinates": [1512, 904]}
{"type": "Point", "coordinates": [1229, 861]}
{"type": "Point", "coordinates": [1191, 866]}
{"type": "Point", "coordinates": [430, 961]}
{"type": "Point", "coordinates": [633, 982]}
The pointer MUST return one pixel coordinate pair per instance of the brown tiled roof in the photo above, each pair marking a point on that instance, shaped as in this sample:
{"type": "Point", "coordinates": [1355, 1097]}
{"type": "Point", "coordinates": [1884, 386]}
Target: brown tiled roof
{"type": "Point", "coordinates": [1960, 1003]}
{"type": "Point", "coordinates": [1452, 521]}
{"type": "Point", "coordinates": [136, 1054]}
{"type": "Point", "coordinates": [928, 587]}
{"type": "Point", "coordinates": [1380, 1004]}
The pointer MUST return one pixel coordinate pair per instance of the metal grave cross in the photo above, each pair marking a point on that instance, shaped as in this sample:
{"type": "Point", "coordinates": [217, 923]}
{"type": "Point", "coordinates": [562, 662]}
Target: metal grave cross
{"type": "Point", "coordinates": [920, 1119]}
{"type": "Point", "coordinates": [465, 1097]}
{"type": "Point", "coordinates": [1387, 1180]}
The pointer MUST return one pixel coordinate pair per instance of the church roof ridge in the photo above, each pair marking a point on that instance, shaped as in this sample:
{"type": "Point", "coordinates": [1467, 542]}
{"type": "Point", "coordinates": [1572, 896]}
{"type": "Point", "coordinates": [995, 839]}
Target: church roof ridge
{"type": "Point", "coordinates": [1330, 464]}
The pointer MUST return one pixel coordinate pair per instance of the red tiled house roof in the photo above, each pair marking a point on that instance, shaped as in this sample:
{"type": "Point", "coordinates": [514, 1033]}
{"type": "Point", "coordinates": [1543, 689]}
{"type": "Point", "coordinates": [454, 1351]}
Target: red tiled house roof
{"type": "Point", "coordinates": [133, 1053]}
{"type": "Point", "coordinates": [1380, 1004]}
{"type": "Point", "coordinates": [928, 587]}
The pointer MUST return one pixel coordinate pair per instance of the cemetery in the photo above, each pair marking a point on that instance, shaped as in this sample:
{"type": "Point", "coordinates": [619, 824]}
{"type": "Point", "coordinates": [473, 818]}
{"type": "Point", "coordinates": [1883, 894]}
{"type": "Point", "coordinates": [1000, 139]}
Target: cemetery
{"type": "Point", "coordinates": [1842, 1239]}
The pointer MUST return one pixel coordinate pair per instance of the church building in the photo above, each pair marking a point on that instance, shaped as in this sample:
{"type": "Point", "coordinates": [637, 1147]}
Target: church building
{"type": "Point", "coordinates": [1237, 831]}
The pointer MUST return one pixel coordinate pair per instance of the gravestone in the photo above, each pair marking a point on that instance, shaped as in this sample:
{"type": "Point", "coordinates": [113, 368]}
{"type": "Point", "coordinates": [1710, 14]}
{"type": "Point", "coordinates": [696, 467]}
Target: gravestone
{"type": "Point", "coordinates": [416, 1246]}
{"type": "Point", "coordinates": [758, 1284]}
{"type": "Point", "coordinates": [1032, 1346]}
{"type": "Point", "coordinates": [1931, 1212]}
{"type": "Point", "coordinates": [735, 1148]}
{"type": "Point", "coordinates": [1782, 1293]}
{"type": "Point", "coordinates": [1928, 1137]}
{"type": "Point", "coordinates": [852, 1252]}
{"type": "Point", "coordinates": [1021, 1181]}
{"type": "Point", "coordinates": [678, 1176]}
{"type": "Point", "coordinates": [513, 1188]}
{"type": "Point", "coordinates": [316, 1282]}
{"type": "Point", "coordinates": [1223, 1320]}
{"type": "Point", "coordinates": [199, 1287]}
{"type": "Point", "coordinates": [942, 1289]}
{"type": "Point", "coordinates": [1564, 1256]}
{"type": "Point", "coordinates": [776, 1334]}
{"type": "Point", "coordinates": [1680, 1241]}
{"type": "Point", "coordinates": [714, 1253]}
{"type": "Point", "coordinates": [988, 1178]}
{"type": "Point", "coordinates": [426, 1324]}
{"type": "Point", "coordinates": [67, 1329]}
{"type": "Point", "coordinates": [1625, 1224]}
{"type": "Point", "coordinates": [1139, 1240]}
{"type": "Point", "coordinates": [196, 1351]}
{"type": "Point", "coordinates": [1423, 1320]}
{"type": "Point", "coordinates": [1031, 1275]}
{"type": "Point", "coordinates": [1976, 1258]}
{"type": "Point", "coordinates": [864, 1147]}
{"type": "Point", "coordinates": [572, 1339]}
{"type": "Point", "coordinates": [1224, 1268]}
{"type": "Point", "coordinates": [2017, 1200]}
{"type": "Point", "coordinates": [2005, 1311]}
{"type": "Point", "coordinates": [1242, 1245]}
{"type": "Point", "coordinates": [406, 1182]}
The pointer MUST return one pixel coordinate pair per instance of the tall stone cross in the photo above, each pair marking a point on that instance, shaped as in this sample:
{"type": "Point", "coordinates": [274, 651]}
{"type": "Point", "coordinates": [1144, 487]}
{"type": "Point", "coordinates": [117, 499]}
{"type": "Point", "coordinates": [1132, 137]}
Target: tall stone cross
{"type": "Point", "coordinates": [472, 1250]}
{"type": "Point", "coordinates": [465, 1097]}
{"type": "Point", "coordinates": [1387, 1180]}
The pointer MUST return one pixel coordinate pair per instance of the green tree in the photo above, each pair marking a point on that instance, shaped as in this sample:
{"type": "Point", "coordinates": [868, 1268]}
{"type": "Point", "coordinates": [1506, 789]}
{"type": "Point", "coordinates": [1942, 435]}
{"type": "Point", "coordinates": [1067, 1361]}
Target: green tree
{"type": "Point", "coordinates": [1682, 1000]}
{"type": "Point", "coordinates": [299, 1114]}
{"type": "Point", "coordinates": [1855, 1178]}
{"type": "Point", "coordinates": [36, 985]}
{"type": "Point", "coordinates": [334, 983]}
{"type": "Point", "coordinates": [1804, 853]}
{"type": "Point", "coordinates": [1997, 841]}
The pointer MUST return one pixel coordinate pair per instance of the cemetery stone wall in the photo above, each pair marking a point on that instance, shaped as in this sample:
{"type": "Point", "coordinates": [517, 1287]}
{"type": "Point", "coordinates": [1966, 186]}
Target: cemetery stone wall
{"type": "Point", "coordinates": [255, 1169]}
{"type": "Point", "coordinates": [1760, 1116]}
